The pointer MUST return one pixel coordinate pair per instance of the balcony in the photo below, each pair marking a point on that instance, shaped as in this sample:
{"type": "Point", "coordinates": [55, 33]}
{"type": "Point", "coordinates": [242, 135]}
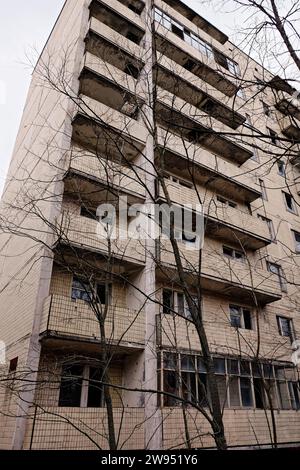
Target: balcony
{"type": "Point", "coordinates": [290, 127]}
{"type": "Point", "coordinates": [220, 274]}
{"type": "Point", "coordinates": [98, 170]}
{"type": "Point", "coordinates": [104, 82]}
{"type": "Point", "coordinates": [87, 234]}
{"type": "Point", "coordinates": [186, 159]}
{"type": "Point", "coordinates": [184, 54]}
{"type": "Point", "coordinates": [175, 115]}
{"type": "Point", "coordinates": [102, 129]}
{"type": "Point", "coordinates": [200, 22]}
{"type": "Point", "coordinates": [112, 48]}
{"type": "Point", "coordinates": [225, 223]}
{"type": "Point", "coordinates": [179, 81]}
{"type": "Point", "coordinates": [64, 317]}
{"type": "Point", "coordinates": [51, 428]}
{"type": "Point", "coordinates": [119, 18]}
{"type": "Point", "coordinates": [174, 331]}
{"type": "Point", "coordinates": [289, 106]}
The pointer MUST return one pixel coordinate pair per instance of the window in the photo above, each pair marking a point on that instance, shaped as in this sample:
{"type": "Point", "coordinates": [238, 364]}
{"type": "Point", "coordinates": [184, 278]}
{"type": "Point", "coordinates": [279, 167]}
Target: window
{"type": "Point", "coordinates": [285, 327]}
{"type": "Point", "coordinates": [195, 41]}
{"type": "Point", "coordinates": [79, 387]}
{"type": "Point", "coordinates": [264, 195]}
{"type": "Point", "coordinates": [232, 253]}
{"type": "Point", "coordinates": [297, 241]}
{"type": "Point", "coordinates": [81, 290]}
{"type": "Point", "coordinates": [289, 202]}
{"type": "Point", "coordinates": [273, 136]}
{"type": "Point", "coordinates": [277, 270]}
{"type": "Point", "coordinates": [104, 293]}
{"type": "Point", "coordinates": [13, 364]}
{"type": "Point", "coordinates": [281, 168]}
{"type": "Point", "coordinates": [266, 109]}
{"type": "Point", "coordinates": [88, 212]}
{"type": "Point", "coordinates": [241, 93]}
{"type": "Point", "coordinates": [240, 317]}
{"type": "Point", "coordinates": [226, 202]}
{"type": "Point", "coordinates": [241, 383]}
{"type": "Point", "coordinates": [167, 301]}
{"type": "Point", "coordinates": [175, 302]}
{"type": "Point", "coordinates": [132, 70]}
{"type": "Point", "coordinates": [270, 226]}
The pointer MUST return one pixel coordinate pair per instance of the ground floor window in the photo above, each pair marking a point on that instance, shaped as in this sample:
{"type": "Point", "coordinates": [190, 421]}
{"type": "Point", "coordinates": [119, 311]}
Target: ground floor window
{"type": "Point", "coordinates": [241, 383]}
{"type": "Point", "coordinates": [80, 386]}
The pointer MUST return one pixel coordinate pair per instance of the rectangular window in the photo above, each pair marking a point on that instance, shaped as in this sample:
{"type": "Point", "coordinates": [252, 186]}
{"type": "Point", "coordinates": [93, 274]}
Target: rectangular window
{"type": "Point", "coordinates": [226, 202]}
{"type": "Point", "coordinates": [13, 364]}
{"type": "Point", "coordinates": [263, 190]}
{"type": "Point", "coordinates": [297, 241]}
{"type": "Point", "coordinates": [270, 226]}
{"type": "Point", "coordinates": [241, 383]}
{"type": "Point", "coordinates": [281, 168]}
{"type": "Point", "coordinates": [104, 293]}
{"type": "Point", "coordinates": [273, 136]}
{"type": "Point", "coordinates": [285, 327]}
{"type": "Point", "coordinates": [168, 302]}
{"type": "Point", "coordinates": [71, 386]}
{"type": "Point", "coordinates": [246, 392]}
{"type": "Point", "coordinates": [289, 202]}
{"type": "Point", "coordinates": [232, 253]}
{"type": "Point", "coordinates": [240, 317]}
{"type": "Point", "coordinates": [81, 290]}
{"type": "Point", "coordinates": [277, 270]}
{"type": "Point", "coordinates": [88, 212]}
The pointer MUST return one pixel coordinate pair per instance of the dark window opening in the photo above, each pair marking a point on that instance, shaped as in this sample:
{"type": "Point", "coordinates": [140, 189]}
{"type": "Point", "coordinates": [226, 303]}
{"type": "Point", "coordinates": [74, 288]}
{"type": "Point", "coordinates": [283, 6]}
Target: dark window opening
{"type": "Point", "coordinates": [95, 392]}
{"type": "Point", "coordinates": [88, 212]}
{"type": "Point", "coordinates": [167, 301]}
{"type": "Point", "coordinates": [133, 37]}
{"type": "Point", "coordinates": [70, 387]}
{"type": "Point", "coordinates": [273, 136]}
{"type": "Point", "coordinates": [178, 31]}
{"type": "Point", "coordinates": [189, 65]}
{"type": "Point", "coordinates": [13, 364]}
{"type": "Point", "coordinates": [258, 393]}
{"type": "Point", "coordinates": [132, 70]}
{"type": "Point", "coordinates": [246, 392]}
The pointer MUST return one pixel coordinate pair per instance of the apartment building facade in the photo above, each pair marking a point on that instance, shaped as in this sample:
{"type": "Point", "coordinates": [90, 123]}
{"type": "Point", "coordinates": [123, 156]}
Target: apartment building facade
{"type": "Point", "coordinates": [123, 92]}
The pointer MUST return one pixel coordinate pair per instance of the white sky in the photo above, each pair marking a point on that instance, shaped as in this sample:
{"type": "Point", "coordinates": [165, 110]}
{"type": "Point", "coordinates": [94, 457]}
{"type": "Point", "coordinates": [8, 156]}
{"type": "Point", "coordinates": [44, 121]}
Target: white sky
{"type": "Point", "coordinates": [25, 28]}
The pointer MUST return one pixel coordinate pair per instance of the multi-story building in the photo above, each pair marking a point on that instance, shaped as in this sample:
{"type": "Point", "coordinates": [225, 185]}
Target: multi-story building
{"type": "Point", "coordinates": [125, 91]}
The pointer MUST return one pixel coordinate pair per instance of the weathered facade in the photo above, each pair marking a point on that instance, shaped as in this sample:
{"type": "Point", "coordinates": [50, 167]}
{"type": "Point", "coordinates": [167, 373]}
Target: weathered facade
{"type": "Point", "coordinates": [93, 131]}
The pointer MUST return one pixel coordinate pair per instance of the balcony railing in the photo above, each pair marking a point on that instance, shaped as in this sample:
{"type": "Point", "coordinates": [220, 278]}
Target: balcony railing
{"type": "Point", "coordinates": [222, 274]}
{"type": "Point", "coordinates": [290, 127]}
{"type": "Point", "coordinates": [237, 182]}
{"type": "Point", "coordinates": [57, 428]}
{"type": "Point", "coordinates": [107, 172]}
{"type": "Point", "coordinates": [64, 317]}
{"type": "Point", "coordinates": [253, 231]}
{"type": "Point", "coordinates": [88, 234]}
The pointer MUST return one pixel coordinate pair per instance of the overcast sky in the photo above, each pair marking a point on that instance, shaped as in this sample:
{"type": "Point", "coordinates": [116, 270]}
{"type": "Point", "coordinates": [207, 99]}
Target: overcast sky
{"type": "Point", "coordinates": [24, 27]}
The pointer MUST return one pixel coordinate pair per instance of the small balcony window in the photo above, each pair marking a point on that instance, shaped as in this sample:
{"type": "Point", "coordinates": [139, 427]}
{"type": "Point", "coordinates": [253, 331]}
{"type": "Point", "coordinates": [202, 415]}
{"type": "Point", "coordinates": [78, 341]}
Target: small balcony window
{"type": "Point", "coordinates": [226, 202]}
{"type": "Point", "coordinates": [297, 241]}
{"type": "Point", "coordinates": [281, 168]}
{"type": "Point", "coordinates": [263, 189]}
{"type": "Point", "coordinates": [277, 270]}
{"type": "Point", "coordinates": [273, 136]}
{"type": "Point", "coordinates": [233, 253]}
{"type": "Point", "coordinates": [81, 387]}
{"type": "Point", "coordinates": [270, 226]}
{"type": "Point", "coordinates": [285, 327]}
{"type": "Point", "coordinates": [240, 317]}
{"type": "Point", "coordinates": [289, 202]}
